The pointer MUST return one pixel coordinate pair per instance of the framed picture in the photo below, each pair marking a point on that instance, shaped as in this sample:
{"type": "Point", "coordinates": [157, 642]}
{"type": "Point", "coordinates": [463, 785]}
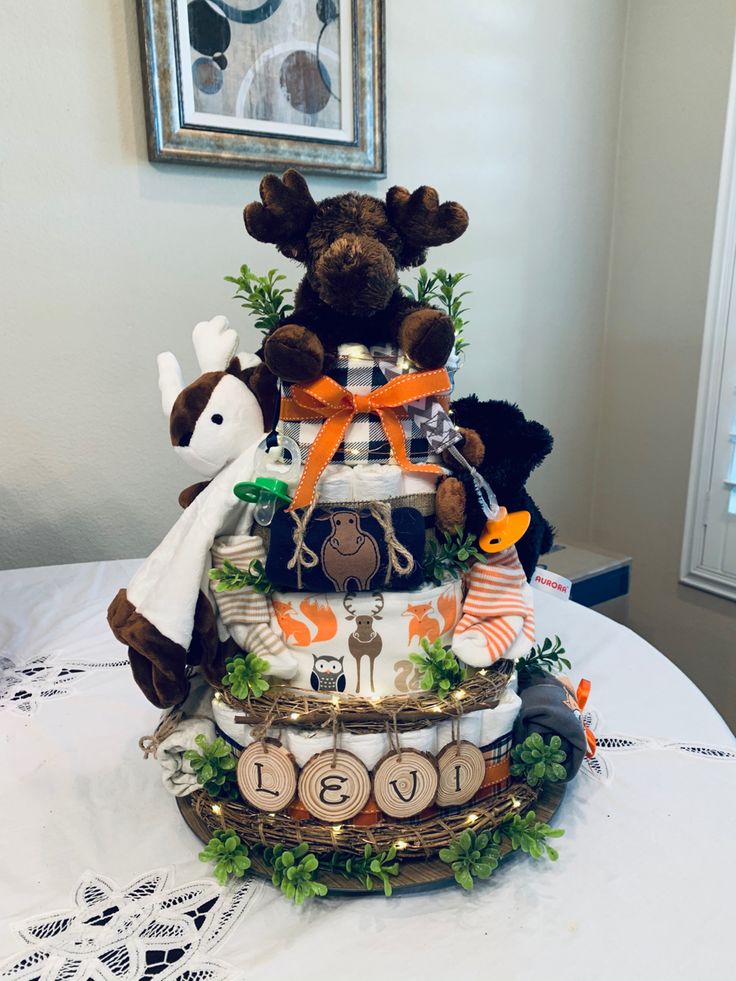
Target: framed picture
{"type": "Point", "coordinates": [266, 83]}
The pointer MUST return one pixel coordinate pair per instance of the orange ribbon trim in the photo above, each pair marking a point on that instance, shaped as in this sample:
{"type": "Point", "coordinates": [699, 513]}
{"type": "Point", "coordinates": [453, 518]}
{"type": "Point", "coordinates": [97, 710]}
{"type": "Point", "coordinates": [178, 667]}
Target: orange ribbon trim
{"type": "Point", "coordinates": [327, 399]}
{"type": "Point", "coordinates": [581, 697]}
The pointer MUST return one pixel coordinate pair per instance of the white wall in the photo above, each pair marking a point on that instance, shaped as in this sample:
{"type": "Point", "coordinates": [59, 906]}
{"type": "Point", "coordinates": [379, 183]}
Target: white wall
{"type": "Point", "coordinates": [676, 79]}
{"type": "Point", "coordinates": [511, 107]}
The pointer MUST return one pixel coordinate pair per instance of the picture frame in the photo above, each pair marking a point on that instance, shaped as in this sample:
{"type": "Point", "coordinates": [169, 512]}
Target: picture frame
{"type": "Point", "coordinates": [312, 95]}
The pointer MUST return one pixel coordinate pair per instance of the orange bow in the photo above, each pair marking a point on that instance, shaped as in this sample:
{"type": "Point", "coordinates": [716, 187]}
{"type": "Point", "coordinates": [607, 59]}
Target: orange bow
{"type": "Point", "coordinates": [581, 696]}
{"type": "Point", "coordinates": [327, 399]}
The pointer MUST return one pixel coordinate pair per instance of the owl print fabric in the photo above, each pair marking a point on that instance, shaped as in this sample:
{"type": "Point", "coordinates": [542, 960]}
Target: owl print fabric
{"type": "Point", "coordinates": [328, 673]}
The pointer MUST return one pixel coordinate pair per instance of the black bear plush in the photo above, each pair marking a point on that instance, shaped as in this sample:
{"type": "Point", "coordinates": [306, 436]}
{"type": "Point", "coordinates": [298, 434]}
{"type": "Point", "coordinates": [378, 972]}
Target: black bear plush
{"type": "Point", "coordinates": [513, 447]}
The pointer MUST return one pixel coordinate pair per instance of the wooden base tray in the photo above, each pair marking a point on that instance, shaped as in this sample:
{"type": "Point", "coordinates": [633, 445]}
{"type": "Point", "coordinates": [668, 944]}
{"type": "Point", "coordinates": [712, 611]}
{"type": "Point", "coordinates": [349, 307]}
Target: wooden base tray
{"type": "Point", "coordinates": [416, 874]}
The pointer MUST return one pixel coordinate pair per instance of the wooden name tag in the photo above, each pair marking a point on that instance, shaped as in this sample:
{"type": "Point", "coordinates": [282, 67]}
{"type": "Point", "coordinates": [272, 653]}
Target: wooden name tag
{"type": "Point", "coordinates": [405, 783]}
{"type": "Point", "coordinates": [462, 768]}
{"type": "Point", "coordinates": [334, 786]}
{"type": "Point", "coordinates": [267, 775]}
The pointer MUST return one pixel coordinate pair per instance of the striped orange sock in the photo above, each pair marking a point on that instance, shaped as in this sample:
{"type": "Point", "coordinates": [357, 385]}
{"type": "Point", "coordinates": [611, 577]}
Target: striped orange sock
{"type": "Point", "coordinates": [498, 612]}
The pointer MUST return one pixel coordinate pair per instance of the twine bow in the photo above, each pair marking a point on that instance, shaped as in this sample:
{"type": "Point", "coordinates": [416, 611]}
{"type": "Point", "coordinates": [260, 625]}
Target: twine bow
{"type": "Point", "coordinates": [327, 399]}
{"type": "Point", "coordinates": [166, 727]}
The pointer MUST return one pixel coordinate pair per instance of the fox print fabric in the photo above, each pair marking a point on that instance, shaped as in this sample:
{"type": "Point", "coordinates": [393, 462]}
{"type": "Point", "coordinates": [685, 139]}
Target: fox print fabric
{"type": "Point", "coordinates": [359, 642]}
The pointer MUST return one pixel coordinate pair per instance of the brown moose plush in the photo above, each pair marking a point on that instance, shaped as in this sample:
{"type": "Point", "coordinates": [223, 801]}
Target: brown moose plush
{"type": "Point", "coordinates": [352, 247]}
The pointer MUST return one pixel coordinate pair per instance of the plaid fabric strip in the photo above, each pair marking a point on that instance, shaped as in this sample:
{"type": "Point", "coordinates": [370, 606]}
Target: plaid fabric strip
{"type": "Point", "coordinates": [365, 440]}
{"type": "Point", "coordinates": [498, 750]}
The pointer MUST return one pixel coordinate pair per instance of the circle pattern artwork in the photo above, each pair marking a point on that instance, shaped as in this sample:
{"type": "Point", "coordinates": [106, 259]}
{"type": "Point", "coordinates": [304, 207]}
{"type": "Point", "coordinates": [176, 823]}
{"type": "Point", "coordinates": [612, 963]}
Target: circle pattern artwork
{"type": "Point", "coordinates": [267, 775]}
{"type": "Point", "coordinates": [405, 783]}
{"type": "Point", "coordinates": [305, 82]}
{"type": "Point", "coordinates": [462, 769]}
{"type": "Point", "coordinates": [207, 76]}
{"type": "Point", "coordinates": [334, 786]}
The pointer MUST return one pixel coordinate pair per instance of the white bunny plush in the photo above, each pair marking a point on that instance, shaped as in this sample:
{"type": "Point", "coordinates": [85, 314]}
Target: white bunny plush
{"type": "Point", "coordinates": [169, 617]}
{"type": "Point", "coordinates": [225, 410]}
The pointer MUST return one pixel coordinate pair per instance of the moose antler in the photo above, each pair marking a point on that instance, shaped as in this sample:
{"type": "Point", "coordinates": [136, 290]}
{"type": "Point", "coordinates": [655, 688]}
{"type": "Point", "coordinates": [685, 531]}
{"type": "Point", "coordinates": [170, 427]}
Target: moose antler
{"type": "Point", "coordinates": [421, 220]}
{"type": "Point", "coordinates": [378, 597]}
{"type": "Point", "coordinates": [285, 214]}
{"type": "Point", "coordinates": [346, 602]}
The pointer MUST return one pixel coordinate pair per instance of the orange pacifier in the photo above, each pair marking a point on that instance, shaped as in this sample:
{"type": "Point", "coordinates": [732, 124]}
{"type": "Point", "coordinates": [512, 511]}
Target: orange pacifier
{"type": "Point", "coordinates": [504, 530]}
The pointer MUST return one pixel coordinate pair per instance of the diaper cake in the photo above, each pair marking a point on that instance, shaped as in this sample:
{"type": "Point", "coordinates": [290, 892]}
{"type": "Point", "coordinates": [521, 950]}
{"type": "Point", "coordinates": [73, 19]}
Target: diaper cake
{"type": "Point", "coordinates": [339, 626]}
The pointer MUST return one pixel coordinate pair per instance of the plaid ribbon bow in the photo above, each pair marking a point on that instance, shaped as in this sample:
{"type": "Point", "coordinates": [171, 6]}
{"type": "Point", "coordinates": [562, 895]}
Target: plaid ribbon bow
{"type": "Point", "coordinates": [327, 399]}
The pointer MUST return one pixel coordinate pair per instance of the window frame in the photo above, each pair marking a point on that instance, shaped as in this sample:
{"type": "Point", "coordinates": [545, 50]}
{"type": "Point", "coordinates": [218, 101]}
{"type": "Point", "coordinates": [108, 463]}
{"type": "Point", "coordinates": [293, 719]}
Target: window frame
{"type": "Point", "coordinates": [720, 322]}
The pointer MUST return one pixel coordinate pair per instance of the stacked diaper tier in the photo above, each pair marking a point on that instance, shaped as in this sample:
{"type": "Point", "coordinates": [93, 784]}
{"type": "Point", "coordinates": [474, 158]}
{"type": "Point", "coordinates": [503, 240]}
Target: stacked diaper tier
{"type": "Point", "coordinates": [352, 601]}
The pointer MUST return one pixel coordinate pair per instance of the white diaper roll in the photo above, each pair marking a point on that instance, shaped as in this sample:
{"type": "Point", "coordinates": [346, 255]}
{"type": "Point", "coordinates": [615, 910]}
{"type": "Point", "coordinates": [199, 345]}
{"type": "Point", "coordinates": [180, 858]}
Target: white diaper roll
{"type": "Point", "coordinates": [303, 743]}
{"type": "Point", "coordinates": [376, 481]}
{"type": "Point", "coordinates": [469, 729]}
{"type": "Point", "coordinates": [336, 484]}
{"type": "Point", "coordinates": [421, 739]}
{"type": "Point", "coordinates": [225, 720]}
{"type": "Point", "coordinates": [369, 747]}
{"type": "Point", "coordinates": [418, 483]}
{"type": "Point", "coordinates": [500, 720]}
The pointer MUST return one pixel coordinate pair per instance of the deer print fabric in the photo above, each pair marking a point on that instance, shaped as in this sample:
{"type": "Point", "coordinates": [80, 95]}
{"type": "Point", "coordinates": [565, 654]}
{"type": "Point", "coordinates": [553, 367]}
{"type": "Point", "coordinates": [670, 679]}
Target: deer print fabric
{"type": "Point", "coordinates": [373, 632]}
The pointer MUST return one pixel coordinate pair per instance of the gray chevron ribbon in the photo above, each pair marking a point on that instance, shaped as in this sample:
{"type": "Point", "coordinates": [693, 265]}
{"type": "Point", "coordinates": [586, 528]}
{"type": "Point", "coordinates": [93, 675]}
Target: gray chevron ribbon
{"type": "Point", "coordinates": [427, 413]}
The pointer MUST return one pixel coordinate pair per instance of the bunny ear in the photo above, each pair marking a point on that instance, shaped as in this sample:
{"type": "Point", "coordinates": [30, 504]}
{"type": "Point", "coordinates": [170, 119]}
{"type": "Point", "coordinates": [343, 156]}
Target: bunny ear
{"type": "Point", "coordinates": [170, 381]}
{"type": "Point", "coordinates": [264, 386]}
{"type": "Point", "coordinates": [215, 344]}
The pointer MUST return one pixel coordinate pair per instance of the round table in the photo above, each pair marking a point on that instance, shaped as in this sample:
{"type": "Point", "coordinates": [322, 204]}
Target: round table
{"type": "Point", "coordinates": [101, 877]}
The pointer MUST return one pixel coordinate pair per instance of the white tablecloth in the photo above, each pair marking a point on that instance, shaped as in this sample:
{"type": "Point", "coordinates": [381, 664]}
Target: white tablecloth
{"type": "Point", "coordinates": [642, 888]}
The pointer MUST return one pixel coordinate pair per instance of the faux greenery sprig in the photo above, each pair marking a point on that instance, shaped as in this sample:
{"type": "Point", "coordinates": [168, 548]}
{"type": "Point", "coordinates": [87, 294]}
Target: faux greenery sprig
{"type": "Point", "coordinates": [228, 853]}
{"type": "Point", "coordinates": [214, 767]}
{"type": "Point", "coordinates": [439, 669]}
{"type": "Point", "coordinates": [245, 676]}
{"type": "Point", "coordinates": [452, 556]}
{"type": "Point", "coordinates": [476, 856]}
{"type": "Point", "coordinates": [262, 296]}
{"type": "Point", "coordinates": [293, 872]}
{"type": "Point", "coordinates": [230, 577]}
{"type": "Point", "coordinates": [471, 856]}
{"type": "Point", "coordinates": [441, 287]}
{"type": "Point", "coordinates": [544, 657]}
{"type": "Point", "coordinates": [530, 836]}
{"type": "Point", "coordinates": [372, 865]}
{"type": "Point", "coordinates": [537, 761]}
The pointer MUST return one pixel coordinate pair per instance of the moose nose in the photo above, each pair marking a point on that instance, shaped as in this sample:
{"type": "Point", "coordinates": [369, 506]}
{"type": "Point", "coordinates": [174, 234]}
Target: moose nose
{"type": "Point", "coordinates": [356, 275]}
{"type": "Point", "coordinates": [185, 438]}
